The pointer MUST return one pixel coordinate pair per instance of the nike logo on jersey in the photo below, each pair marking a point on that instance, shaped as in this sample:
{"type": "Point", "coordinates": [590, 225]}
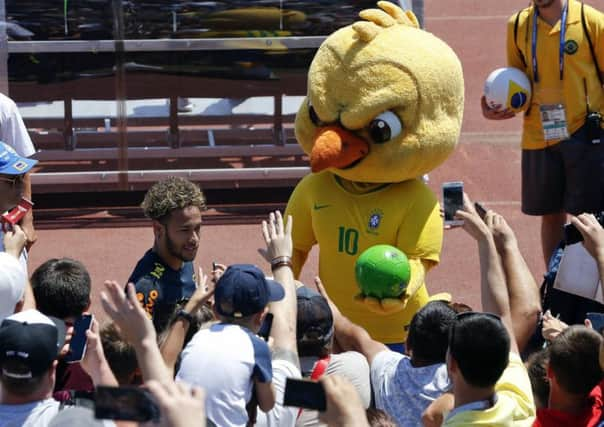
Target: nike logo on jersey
{"type": "Point", "coordinates": [317, 206]}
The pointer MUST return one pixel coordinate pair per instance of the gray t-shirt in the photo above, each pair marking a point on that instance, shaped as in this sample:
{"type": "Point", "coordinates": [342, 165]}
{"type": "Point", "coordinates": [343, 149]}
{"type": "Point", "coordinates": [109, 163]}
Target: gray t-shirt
{"type": "Point", "coordinates": [351, 365]}
{"type": "Point", "coordinates": [404, 391]}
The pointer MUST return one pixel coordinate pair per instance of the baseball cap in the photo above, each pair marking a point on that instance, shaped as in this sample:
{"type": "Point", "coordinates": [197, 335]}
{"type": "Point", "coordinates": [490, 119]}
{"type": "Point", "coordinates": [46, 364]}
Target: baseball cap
{"type": "Point", "coordinates": [314, 325]}
{"type": "Point", "coordinates": [243, 290]}
{"type": "Point", "coordinates": [13, 164]}
{"type": "Point", "coordinates": [12, 284]}
{"type": "Point", "coordinates": [31, 338]}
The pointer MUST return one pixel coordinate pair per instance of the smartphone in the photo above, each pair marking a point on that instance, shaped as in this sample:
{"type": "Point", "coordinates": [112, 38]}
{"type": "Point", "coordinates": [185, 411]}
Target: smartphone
{"type": "Point", "coordinates": [77, 345]}
{"type": "Point", "coordinates": [16, 214]}
{"type": "Point", "coordinates": [452, 201]}
{"type": "Point", "coordinates": [125, 403]}
{"type": "Point", "coordinates": [597, 321]}
{"type": "Point", "coordinates": [304, 394]}
{"type": "Point", "coordinates": [480, 210]}
{"type": "Point", "coordinates": [571, 234]}
{"type": "Point", "coordinates": [265, 329]}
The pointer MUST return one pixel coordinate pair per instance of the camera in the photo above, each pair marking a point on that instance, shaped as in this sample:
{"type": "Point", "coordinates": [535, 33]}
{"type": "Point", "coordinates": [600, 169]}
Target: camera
{"type": "Point", "coordinates": [572, 235]}
{"type": "Point", "coordinates": [593, 128]}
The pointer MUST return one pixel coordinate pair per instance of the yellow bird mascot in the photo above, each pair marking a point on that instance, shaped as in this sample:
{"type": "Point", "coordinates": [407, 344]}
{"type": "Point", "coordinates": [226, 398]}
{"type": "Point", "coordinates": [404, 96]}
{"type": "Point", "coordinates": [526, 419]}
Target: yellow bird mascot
{"type": "Point", "coordinates": [384, 107]}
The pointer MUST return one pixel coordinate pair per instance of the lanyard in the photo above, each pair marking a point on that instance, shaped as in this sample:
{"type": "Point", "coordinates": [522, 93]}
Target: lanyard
{"type": "Point", "coordinates": [562, 39]}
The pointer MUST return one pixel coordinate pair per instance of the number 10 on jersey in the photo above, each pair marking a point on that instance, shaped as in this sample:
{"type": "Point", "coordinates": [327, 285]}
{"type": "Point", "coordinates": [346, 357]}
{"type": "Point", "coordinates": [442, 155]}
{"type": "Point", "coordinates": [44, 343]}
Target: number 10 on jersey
{"type": "Point", "coordinates": [348, 240]}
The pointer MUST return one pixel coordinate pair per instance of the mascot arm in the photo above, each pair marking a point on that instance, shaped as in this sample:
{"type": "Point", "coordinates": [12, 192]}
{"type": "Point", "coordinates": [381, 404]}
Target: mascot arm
{"type": "Point", "coordinates": [299, 207]}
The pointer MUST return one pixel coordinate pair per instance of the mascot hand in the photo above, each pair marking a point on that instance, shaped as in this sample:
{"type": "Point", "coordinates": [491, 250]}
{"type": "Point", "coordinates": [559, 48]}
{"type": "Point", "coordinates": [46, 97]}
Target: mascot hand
{"type": "Point", "coordinates": [393, 305]}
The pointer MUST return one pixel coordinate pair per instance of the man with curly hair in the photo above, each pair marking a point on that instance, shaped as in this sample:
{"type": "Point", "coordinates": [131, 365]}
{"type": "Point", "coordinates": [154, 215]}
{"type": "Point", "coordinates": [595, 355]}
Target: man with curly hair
{"type": "Point", "coordinates": [165, 275]}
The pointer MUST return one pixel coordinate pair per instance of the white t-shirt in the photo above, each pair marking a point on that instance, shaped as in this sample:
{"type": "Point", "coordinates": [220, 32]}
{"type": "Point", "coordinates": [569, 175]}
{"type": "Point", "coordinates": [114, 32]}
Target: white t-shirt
{"type": "Point", "coordinates": [224, 359]}
{"type": "Point", "coordinates": [404, 391]}
{"type": "Point", "coordinates": [280, 416]}
{"type": "Point", "coordinates": [12, 129]}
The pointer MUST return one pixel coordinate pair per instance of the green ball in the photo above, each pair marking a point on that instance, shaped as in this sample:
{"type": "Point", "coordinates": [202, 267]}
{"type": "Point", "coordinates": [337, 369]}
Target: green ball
{"type": "Point", "coordinates": [382, 271]}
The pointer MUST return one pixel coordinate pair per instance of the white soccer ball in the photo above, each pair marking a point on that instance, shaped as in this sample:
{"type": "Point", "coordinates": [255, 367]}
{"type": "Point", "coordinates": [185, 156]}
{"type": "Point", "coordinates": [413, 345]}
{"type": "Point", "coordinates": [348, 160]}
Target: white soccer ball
{"type": "Point", "coordinates": [508, 88]}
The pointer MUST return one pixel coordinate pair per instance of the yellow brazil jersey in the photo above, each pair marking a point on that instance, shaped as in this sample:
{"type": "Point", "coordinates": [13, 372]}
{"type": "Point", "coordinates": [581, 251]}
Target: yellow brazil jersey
{"type": "Point", "coordinates": [579, 70]}
{"type": "Point", "coordinates": [405, 215]}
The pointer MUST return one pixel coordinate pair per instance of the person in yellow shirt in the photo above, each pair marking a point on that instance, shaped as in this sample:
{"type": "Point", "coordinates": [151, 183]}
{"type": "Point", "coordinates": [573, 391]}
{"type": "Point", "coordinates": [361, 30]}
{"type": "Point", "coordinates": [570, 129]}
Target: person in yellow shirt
{"type": "Point", "coordinates": [559, 45]}
{"type": "Point", "coordinates": [491, 386]}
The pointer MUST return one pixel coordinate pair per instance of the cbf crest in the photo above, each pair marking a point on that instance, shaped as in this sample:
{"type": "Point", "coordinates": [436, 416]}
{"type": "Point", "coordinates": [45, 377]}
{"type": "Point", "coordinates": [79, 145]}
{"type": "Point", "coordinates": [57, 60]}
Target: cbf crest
{"type": "Point", "coordinates": [374, 221]}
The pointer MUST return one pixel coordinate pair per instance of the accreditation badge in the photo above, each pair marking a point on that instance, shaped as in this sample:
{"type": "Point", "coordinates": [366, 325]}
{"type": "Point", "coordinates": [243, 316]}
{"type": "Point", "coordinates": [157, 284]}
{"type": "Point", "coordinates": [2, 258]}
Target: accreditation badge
{"type": "Point", "coordinates": [553, 122]}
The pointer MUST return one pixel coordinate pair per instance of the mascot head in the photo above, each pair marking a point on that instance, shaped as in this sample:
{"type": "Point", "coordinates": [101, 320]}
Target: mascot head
{"type": "Point", "coordinates": [385, 100]}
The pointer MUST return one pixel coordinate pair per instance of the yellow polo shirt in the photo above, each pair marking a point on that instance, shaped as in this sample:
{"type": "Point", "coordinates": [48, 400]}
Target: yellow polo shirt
{"type": "Point", "coordinates": [514, 407]}
{"type": "Point", "coordinates": [405, 215]}
{"type": "Point", "coordinates": [578, 67]}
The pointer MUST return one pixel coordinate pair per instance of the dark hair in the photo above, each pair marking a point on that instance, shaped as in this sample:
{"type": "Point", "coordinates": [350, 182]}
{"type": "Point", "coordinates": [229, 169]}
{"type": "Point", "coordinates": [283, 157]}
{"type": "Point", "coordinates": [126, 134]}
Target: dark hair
{"type": "Point", "coordinates": [536, 365]}
{"type": "Point", "coordinates": [429, 332]}
{"type": "Point", "coordinates": [119, 353]}
{"type": "Point", "coordinates": [170, 194]}
{"type": "Point", "coordinates": [379, 418]}
{"type": "Point", "coordinates": [574, 359]}
{"type": "Point", "coordinates": [61, 288]}
{"type": "Point", "coordinates": [21, 386]}
{"type": "Point", "coordinates": [480, 345]}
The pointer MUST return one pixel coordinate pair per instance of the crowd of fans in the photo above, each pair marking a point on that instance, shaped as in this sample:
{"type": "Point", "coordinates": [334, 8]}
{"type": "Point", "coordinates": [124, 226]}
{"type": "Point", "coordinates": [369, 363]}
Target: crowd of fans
{"type": "Point", "coordinates": [191, 341]}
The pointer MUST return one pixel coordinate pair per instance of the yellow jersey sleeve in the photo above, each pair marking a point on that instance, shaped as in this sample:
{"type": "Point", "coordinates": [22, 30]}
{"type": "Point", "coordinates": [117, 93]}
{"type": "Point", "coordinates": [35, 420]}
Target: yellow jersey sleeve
{"type": "Point", "coordinates": [299, 207]}
{"type": "Point", "coordinates": [514, 46]}
{"type": "Point", "coordinates": [421, 235]}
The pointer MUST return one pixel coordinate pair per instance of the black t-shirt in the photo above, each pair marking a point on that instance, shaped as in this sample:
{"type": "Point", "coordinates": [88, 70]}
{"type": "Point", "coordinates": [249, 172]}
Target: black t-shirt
{"type": "Point", "coordinates": [160, 288]}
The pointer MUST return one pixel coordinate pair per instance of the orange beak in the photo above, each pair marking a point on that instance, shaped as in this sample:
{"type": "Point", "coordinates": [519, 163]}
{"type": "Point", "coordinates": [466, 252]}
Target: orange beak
{"type": "Point", "coordinates": [337, 148]}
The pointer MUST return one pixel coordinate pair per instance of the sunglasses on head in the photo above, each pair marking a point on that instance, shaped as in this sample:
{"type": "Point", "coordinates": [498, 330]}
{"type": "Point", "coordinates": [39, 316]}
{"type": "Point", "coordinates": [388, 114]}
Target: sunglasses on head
{"type": "Point", "coordinates": [468, 315]}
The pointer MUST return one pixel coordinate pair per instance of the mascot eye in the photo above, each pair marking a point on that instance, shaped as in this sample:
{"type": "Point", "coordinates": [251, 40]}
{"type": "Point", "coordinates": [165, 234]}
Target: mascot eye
{"type": "Point", "coordinates": [314, 118]}
{"type": "Point", "coordinates": [385, 127]}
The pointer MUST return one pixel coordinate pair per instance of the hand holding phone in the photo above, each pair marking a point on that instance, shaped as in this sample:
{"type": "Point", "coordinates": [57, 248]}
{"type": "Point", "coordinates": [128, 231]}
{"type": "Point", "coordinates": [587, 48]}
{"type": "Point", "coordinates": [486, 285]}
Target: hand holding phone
{"type": "Point", "coordinates": [304, 394]}
{"type": "Point", "coordinates": [77, 345]}
{"type": "Point", "coordinates": [452, 202]}
{"type": "Point", "coordinates": [16, 214]}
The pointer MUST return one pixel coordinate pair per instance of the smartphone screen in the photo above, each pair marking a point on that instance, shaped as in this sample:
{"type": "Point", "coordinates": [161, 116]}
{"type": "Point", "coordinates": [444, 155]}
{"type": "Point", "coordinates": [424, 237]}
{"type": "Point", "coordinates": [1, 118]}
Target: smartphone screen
{"type": "Point", "coordinates": [265, 329]}
{"type": "Point", "coordinates": [597, 321]}
{"type": "Point", "coordinates": [77, 346]}
{"type": "Point", "coordinates": [125, 403]}
{"type": "Point", "coordinates": [304, 394]}
{"type": "Point", "coordinates": [452, 201]}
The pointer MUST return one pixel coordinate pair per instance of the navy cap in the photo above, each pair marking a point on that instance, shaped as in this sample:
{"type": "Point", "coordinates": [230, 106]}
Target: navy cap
{"type": "Point", "coordinates": [33, 339]}
{"type": "Point", "coordinates": [243, 290]}
{"type": "Point", "coordinates": [13, 164]}
{"type": "Point", "coordinates": [314, 324]}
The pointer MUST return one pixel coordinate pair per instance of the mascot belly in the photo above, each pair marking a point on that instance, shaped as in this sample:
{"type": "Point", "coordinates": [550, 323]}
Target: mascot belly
{"type": "Point", "coordinates": [384, 107]}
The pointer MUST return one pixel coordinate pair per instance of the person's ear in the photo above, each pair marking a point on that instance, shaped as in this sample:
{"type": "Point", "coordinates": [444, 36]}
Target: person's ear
{"type": "Point", "coordinates": [158, 229]}
{"type": "Point", "coordinates": [451, 364]}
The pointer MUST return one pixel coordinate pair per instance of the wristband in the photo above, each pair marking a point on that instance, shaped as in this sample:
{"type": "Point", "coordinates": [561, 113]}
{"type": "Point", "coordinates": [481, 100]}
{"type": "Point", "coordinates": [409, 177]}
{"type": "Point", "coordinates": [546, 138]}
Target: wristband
{"type": "Point", "coordinates": [185, 315]}
{"type": "Point", "coordinates": [281, 261]}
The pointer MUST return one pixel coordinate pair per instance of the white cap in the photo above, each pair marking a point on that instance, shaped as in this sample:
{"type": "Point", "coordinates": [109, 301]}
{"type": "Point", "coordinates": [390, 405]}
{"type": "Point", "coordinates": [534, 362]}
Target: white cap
{"type": "Point", "coordinates": [12, 284]}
